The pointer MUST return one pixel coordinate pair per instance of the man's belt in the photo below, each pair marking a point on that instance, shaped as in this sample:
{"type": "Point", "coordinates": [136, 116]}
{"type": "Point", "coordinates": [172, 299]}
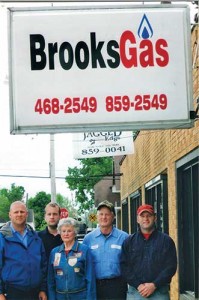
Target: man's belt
{"type": "Point", "coordinates": [108, 280]}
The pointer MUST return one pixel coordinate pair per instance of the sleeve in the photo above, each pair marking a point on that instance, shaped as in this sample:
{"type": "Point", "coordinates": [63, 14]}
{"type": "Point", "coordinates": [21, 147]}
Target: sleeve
{"type": "Point", "coordinates": [1, 262]}
{"type": "Point", "coordinates": [90, 276]}
{"type": "Point", "coordinates": [43, 286]}
{"type": "Point", "coordinates": [169, 267]}
{"type": "Point", "coordinates": [127, 271]}
{"type": "Point", "coordinates": [51, 279]}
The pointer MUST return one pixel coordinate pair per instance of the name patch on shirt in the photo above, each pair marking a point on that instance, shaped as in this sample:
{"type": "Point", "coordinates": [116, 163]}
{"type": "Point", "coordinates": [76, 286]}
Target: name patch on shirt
{"type": "Point", "coordinates": [72, 260]}
{"type": "Point", "coordinates": [94, 246]}
{"type": "Point", "coordinates": [116, 246]}
{"type": "Point", "coordinates": [76, 270]}
{"type": "Point", "coordinates": [60, 272]}
{"type": "Point", "coordinates": [78, 254]}
{"type": "Point", "coordinates": [57, 259]}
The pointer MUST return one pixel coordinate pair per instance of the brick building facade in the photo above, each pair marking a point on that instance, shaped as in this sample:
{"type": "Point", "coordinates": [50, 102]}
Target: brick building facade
{"type": "Point", "coordinates": [163, 171]}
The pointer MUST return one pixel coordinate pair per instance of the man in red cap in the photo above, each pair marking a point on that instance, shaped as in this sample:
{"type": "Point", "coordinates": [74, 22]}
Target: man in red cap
{"type": "Point", "coordinates": [148, 260]}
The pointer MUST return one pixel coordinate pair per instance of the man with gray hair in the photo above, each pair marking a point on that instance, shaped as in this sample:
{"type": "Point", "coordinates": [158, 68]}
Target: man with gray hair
{"type": "Point", "coordinates": [105, 243]}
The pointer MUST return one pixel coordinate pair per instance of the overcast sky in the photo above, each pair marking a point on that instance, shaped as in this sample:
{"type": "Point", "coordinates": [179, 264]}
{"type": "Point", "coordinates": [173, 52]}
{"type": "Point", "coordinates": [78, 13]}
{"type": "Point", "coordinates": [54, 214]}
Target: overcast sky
{"type": "Point", "coordinates": [28, 155]}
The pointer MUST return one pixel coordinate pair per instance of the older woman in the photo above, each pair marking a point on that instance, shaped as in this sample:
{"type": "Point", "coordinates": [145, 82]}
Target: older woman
{"type": "Point", "coordinates": [70, 272]}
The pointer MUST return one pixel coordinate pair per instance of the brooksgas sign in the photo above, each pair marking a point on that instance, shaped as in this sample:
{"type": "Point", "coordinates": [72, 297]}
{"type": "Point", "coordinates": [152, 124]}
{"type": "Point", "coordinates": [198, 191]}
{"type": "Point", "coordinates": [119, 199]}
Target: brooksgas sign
{"type": "Point", "coordinates": [92, 54]}
{"type": "Point", "coordinates": [100, 67]}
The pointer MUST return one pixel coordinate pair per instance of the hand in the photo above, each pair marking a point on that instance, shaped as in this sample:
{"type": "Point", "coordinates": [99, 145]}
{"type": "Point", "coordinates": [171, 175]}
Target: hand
{"type": "Point", "coordinates": [146, 289]}
{"type": "Point", "coordinates": [42, 296]}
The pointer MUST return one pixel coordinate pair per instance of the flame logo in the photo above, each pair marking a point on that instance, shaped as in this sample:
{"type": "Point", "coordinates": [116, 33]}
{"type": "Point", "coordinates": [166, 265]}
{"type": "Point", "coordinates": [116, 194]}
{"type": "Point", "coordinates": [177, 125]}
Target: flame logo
{"type": "Point", "coordinates": [145, 30]}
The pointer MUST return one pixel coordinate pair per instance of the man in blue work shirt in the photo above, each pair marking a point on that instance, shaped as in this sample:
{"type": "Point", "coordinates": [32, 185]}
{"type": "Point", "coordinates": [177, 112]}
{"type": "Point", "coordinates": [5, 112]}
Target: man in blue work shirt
{"type": "Point", "coordinates": [148, 260]}
{"type": "Point", "coordinates": [105, 243]}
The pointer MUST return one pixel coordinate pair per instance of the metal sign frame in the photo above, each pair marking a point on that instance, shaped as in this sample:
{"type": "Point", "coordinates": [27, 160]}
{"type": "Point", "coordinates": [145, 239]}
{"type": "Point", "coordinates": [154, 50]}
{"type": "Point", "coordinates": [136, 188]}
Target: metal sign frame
{"type": "Point", "coordinates": [16, 119]}
{"type": "Point", "coordinates": [93, 1]}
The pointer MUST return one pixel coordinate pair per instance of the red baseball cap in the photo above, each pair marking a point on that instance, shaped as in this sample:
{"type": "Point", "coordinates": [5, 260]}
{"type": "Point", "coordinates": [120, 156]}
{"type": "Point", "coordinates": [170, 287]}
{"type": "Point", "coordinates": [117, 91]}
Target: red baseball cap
{"type": "Point", "coordinates": [146, 207]}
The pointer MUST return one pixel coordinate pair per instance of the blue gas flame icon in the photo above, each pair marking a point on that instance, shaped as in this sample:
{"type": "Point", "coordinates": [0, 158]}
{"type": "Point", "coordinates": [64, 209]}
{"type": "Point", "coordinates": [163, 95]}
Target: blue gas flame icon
{"type": "Point", "coordinates": [145, 30]}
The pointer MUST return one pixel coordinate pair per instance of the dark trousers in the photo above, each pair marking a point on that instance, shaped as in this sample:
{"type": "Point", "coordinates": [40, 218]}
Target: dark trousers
{"type": "Point", "coordinates": [111, 289]}
{"type": "Point", "coordinates": [16, 294]}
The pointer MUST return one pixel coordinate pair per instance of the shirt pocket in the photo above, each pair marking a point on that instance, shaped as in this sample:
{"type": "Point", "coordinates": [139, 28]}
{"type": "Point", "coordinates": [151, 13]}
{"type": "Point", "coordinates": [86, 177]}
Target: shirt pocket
{"type": "Point", "coordinates": [79, 267]}
{"type": "Point", "coordinates": [134, 255]}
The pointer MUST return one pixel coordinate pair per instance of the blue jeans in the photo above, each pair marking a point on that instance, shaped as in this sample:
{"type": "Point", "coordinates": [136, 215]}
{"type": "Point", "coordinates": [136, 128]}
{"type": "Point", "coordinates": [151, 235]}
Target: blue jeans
{"type": "Point", "coordinates": [159, 294]}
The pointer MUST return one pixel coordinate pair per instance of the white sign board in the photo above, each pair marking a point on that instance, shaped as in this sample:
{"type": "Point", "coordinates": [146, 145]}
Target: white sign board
{"type": "Point", "coordinates": [101, 144]}
{"type": "Point", "coordinates": [102, 68]}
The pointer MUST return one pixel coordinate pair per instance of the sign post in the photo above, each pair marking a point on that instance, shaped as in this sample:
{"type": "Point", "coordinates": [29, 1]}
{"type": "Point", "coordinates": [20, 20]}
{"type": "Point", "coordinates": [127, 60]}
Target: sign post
{"type": "Point", "coordinates": [52, 169]}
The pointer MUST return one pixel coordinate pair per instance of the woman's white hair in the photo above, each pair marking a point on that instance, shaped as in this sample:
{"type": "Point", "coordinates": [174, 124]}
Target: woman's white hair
{"type": "Point", "coordinates": [68, 222]}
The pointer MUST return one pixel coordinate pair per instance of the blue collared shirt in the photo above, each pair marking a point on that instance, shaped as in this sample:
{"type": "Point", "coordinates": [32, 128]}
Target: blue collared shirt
{"type": "Point", "coordinates": [23, 237]}
{"type": "Point", "coordinates": [106, 252]}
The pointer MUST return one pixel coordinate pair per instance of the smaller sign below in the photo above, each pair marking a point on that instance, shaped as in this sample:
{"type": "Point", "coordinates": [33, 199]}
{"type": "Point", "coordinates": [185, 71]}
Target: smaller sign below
{"type": "Point", "coordinates": [64, 213]}
{"type": "Point", "coordinates": [100, 144]}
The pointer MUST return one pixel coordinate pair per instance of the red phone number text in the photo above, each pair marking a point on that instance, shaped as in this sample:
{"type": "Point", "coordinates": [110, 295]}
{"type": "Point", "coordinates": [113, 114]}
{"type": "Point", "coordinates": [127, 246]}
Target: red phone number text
{"type": "Point", "coordinates": [89, 104]}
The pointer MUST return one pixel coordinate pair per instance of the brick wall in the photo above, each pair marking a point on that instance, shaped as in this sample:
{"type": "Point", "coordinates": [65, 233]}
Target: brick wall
{"type": "Point", "coordinates": [156, 152]}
